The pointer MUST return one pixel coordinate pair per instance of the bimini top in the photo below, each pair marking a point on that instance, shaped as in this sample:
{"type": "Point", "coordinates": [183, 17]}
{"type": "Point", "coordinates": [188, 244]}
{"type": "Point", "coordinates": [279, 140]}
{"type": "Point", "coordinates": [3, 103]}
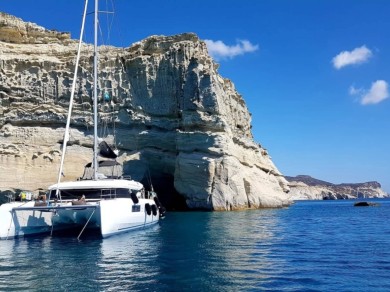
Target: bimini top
{"type": "Point", "coordinates": [99, 184]}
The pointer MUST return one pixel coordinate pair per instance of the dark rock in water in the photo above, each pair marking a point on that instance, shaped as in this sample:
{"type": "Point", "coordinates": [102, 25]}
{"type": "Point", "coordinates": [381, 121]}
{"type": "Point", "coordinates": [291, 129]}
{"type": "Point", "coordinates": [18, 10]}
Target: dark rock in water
{"type": "Point", "coordinates": [365, 204]}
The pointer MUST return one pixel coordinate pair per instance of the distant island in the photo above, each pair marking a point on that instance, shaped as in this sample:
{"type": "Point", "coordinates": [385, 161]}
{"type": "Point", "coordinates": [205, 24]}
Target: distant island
{"type": "Point", "coordinates": [305, 187]}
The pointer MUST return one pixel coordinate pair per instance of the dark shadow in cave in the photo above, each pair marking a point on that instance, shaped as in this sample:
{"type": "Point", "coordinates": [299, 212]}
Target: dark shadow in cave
{"type": "Point", "coordinates": [163, 184]}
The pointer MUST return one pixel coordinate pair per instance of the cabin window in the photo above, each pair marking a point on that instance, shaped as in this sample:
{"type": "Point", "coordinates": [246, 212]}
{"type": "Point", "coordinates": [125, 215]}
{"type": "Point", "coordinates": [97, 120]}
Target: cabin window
{"type": "Point", "coordinates": [109, 193]}
{"type": "Point", "coordinates": [136, 208]}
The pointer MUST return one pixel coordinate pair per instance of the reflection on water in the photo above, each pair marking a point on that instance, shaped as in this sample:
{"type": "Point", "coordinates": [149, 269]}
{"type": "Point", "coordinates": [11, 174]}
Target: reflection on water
{"type": "Point", "coordinates": [46, 263]}
{"type": "Point", "coordinates": [203, 251]}
{"type": "Point", "coordinates": [187, 251]}
{"type": "Point", "coordinates": [239, 252]}
{"type": "Point", "coordinates": [129, 261]}
{"type": "Point", "coordinates": [310, 246]}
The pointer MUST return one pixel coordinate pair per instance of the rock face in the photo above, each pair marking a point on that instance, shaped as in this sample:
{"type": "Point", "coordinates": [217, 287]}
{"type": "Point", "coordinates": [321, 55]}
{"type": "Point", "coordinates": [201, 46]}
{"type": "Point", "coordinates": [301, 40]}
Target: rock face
{"type": "Point", "coordinates": [304, 187]}
{"type": "Point", "coordinates": [173, 118]}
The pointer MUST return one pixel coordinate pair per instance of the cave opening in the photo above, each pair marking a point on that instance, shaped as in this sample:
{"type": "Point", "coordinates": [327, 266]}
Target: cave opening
{"type": "Point", "coordinates": [162, 182]}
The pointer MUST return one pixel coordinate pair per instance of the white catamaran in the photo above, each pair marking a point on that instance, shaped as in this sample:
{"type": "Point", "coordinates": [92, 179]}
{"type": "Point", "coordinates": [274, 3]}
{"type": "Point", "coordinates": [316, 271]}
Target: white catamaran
{"type": "Point", "coordinates": [108, 204]}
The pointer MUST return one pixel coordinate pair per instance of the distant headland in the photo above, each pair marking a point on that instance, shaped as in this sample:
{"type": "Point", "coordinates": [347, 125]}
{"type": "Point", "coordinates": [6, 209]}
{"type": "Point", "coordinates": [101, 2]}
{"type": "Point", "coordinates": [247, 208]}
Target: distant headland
{"type": "Point", "coordinates": [305, 187]}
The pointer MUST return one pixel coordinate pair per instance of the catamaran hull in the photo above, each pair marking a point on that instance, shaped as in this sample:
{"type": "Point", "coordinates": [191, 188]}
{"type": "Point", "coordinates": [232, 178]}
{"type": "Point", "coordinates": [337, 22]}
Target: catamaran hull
{"type": "Point", "coordinates": [118, 216]}
{"type": "Point", "coordinates": [20, 223]}
{"type": "Point", "coordinates": [108, 217]}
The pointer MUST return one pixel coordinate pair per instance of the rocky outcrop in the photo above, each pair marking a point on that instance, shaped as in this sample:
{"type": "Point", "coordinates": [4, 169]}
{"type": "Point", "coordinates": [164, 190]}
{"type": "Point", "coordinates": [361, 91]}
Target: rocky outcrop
{"type": "Point", "coordinates": [15, 30]}
{"type": "Point", "coordinates": [161, 102]}
{"type": "Point", "coordinates": [304, 187]}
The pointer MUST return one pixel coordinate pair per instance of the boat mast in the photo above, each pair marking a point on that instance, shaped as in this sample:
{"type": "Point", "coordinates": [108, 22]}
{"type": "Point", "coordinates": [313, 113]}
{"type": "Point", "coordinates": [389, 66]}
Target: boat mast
{"type": "Point", "coordinates": [95, 97]}
{"type": "Point", "coordinates": [67, 127]}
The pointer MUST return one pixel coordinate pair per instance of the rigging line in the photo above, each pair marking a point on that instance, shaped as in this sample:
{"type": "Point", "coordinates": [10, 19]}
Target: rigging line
{"type": "Point", "coordinates": [119, 30]}
{"type": "Point", "coordinates": [101, 35]}
{"type": "Point", "coordinates": [108, 24]}
{"type": "Point", "coordinates": [88, 40]}
{"type": "Point", "coordinates": [105, 128]}
{"type": "Point", "coordinates": [113, 127]}
{"type": "Point", "coordinates": [100, 127]}
{"type": "Point", "coordinates": [149, 177]}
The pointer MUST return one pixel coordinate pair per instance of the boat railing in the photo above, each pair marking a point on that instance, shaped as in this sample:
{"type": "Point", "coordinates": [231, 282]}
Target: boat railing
{"type": "Point", "coordinates": [151, 195]}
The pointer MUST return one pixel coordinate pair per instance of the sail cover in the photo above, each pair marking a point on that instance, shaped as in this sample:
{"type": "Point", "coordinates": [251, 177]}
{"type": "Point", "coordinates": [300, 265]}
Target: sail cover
{"type": "Point", "coordinates": [106, 151]}
{"type": "Point", "coordinates": [104, 163]}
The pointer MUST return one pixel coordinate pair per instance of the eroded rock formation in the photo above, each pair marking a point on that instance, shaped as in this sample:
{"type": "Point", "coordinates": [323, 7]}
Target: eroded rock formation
{"type": "Point", "coordinates": [172, 115]}
{"type": "Point", "coordinates": [304, 187]}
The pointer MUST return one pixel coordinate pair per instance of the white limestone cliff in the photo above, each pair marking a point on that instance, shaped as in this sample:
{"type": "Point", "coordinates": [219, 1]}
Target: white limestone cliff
{"type": "Point", "coordinates": [173, 116]}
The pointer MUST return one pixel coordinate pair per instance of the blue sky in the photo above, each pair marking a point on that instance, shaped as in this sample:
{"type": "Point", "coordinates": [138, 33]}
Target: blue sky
{"type": "Point", "coordinates": [313, 73]}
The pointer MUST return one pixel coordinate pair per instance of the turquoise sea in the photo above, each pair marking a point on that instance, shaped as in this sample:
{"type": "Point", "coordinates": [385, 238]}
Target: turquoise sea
{"type": "Point", "coordinates": [310, 246]}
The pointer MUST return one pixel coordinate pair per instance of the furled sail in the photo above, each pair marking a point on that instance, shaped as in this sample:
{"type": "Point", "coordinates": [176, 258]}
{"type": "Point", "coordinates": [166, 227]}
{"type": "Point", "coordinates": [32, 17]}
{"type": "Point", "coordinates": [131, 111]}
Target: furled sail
{"type": "Point", "coordinates": [106, 151]}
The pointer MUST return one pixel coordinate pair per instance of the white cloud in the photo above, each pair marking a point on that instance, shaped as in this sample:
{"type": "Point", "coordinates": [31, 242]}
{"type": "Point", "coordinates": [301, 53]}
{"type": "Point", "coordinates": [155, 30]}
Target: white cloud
{"type": "Point", "coordinates": [354, 91]}
{"type": "Point", "coordinates": [377, 93]}
{"type": "Point", "coordinates": [219, 50]}
{"type": "Point", "coordinates": [356, 56]}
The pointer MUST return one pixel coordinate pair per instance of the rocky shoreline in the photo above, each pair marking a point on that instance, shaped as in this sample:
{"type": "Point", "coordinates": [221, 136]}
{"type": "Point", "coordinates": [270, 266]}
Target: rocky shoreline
{"type": "Point", "coordinates": [304, 187]}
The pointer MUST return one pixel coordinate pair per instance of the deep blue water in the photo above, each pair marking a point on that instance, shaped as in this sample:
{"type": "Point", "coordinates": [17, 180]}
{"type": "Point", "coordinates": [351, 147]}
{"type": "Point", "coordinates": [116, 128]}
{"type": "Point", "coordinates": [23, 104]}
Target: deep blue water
{"type": "Point", "coordinates": [310, 246]}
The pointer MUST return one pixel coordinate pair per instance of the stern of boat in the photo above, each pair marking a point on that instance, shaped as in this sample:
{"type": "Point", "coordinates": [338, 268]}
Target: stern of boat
{"type": "Point", "coordinates": [16, 221]}
{"type": "Point", "coordinates": [122, 215]}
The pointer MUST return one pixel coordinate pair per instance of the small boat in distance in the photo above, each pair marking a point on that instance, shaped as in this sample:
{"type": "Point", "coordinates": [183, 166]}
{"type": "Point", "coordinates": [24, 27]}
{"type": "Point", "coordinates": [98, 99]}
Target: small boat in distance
{"type": "Point", "coordinates": [106, 204]}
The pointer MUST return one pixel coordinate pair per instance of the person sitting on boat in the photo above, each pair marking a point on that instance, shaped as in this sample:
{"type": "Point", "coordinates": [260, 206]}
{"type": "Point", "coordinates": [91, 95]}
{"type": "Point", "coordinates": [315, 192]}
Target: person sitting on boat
{"type": "Point", "coordinates": [80, 201]}
{"type": "Point", "coordinates": [41, 200]}
{"type": "Point", "coordinates": [42, 197]}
